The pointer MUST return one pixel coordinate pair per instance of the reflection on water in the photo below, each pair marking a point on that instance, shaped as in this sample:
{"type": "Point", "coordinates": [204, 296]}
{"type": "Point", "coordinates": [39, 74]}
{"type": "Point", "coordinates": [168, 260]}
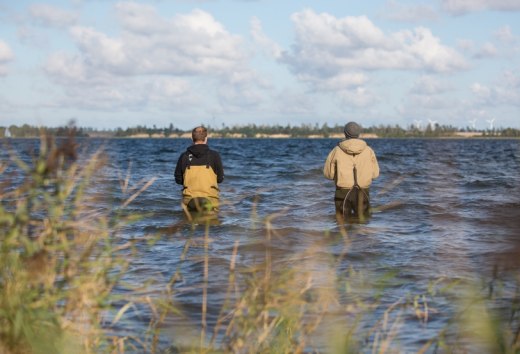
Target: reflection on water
{"type": "Point", "coordinates": [442, 208]}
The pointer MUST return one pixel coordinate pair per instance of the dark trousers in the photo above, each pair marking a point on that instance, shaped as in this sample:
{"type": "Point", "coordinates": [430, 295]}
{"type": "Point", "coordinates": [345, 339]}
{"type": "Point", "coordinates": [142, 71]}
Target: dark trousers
{"type": "Point", "coordinates": [352, 202]}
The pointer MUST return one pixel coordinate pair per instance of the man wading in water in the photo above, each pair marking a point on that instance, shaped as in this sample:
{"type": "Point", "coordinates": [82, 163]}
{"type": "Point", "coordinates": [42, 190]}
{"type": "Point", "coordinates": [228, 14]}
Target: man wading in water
{"type": "Point", "coordinates": [352, 164]}
{"type": "Point", "coordinates": [199, 170]}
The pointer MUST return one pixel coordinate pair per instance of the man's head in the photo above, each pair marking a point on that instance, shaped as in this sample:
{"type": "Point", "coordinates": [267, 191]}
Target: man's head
{"type": "Point", "coordinates": [199, 135]}
{"type": "Point", "coordinates": [352, 130]}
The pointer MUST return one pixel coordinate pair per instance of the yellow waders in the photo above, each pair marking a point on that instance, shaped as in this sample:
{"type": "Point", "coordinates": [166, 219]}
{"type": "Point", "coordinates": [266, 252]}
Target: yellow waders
{"type": "Point", "coordinates": [200, 182]}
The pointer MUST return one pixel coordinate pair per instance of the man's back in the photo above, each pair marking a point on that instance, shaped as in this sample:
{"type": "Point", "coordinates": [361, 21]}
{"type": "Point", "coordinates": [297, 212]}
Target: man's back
{"type": "Point", "coordinates": [352, 164]}
{"type": "Point", "coordinates": [342, 159]}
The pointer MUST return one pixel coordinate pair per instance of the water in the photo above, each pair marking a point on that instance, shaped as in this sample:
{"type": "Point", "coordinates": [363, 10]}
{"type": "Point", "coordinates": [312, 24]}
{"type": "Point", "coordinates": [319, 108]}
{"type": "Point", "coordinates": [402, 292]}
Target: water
{"type": "Point", "coordinates": [444, 208]}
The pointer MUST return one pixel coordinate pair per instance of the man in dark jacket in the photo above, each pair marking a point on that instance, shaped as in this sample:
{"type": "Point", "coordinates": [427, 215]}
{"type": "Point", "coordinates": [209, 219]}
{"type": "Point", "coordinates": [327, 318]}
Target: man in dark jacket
{"type": "Point", "coordinates": [199, 169]}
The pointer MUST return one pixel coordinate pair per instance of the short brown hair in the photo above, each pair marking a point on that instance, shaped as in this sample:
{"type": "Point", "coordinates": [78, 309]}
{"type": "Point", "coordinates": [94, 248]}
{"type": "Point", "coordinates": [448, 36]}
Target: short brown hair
{"type": "Point", "coordinates": [199, 134]}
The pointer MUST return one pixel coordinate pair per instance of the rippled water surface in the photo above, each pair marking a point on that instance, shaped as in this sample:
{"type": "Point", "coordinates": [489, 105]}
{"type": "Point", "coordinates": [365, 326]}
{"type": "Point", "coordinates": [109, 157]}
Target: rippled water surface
{"type": "Point", "coordinates": [443, 208]}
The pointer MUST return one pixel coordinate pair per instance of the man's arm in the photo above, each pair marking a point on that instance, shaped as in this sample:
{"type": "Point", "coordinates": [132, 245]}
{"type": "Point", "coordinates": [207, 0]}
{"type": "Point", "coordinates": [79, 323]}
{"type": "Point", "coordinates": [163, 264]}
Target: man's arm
{"type": "Point", "coordinates": [329, 169]}
{"type": "Point", "coordinates": [179, 170]}
{"type": "Point", "coordinates": [375, 166]}
{"type": "Point", "coordinates": [219, 169]}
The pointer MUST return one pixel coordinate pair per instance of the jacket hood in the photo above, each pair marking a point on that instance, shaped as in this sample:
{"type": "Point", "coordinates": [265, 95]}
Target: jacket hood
{"type": "Point", "coordinates": [198, 150]}
{"type": "Point", "coordinates": [352, 146]}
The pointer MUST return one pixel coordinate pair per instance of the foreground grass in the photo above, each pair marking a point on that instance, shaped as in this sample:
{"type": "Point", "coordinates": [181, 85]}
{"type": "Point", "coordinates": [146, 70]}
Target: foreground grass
{"type": "Point", "coordinates": [61, 259]}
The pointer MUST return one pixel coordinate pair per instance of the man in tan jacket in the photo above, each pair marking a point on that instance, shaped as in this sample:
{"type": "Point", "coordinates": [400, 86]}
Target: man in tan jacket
{"type": "Point", "coordinates": [352, 164]}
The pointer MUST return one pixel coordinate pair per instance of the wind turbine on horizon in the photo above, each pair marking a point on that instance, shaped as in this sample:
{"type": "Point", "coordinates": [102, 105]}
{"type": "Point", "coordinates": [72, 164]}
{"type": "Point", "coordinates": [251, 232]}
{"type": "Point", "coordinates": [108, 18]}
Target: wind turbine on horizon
{"type": "Point", "coordinates": [491, 121]}
{"type": "Point", "coordinates": [432, 123]}
{"type": "Point", "coordinates": [417, 123]}
{"type": "Point", "coordinates": [473, 123]}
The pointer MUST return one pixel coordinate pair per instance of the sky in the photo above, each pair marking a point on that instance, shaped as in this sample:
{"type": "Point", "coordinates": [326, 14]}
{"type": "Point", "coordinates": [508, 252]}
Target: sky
{"type": "Point", "coordinates": [108, 64]}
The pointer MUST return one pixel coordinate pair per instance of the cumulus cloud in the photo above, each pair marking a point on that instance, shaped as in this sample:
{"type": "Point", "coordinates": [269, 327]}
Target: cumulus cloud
{"type": "Point", "coordinates": [291, 103]}
{"type": "Point", "coordinates": [506, 91]}
{"type": "Point", "coordinates": [172, 51]}
{"type": "Point", "coordinates": [416, 13]}
{"type": "Point", "coordinates": [358, 97]}
{"type": "Point", "coordinates": [243, 89]}
{"type": "Point", "coordinates": [429, 99]}
{"type": "Point", "coordinates": [465, 45]}
{"type": "Point", "coordinates": [488, 50]}
{"type": "Point", "coordinates": [428, 85]}
{"type": "Point", "coordinates": [338, 82]}
{"type": "Point", "coordinates": [329, 47]}
{"type": "Point", "coordinates": [6, 56]}
{"type": "Point", "coordinates": [460, 7]}
{"type": "Point", "coordinates": [259, 37]}
{"type": "Point", "coordinates": [191, 44]}
{"type": "Point", "coordinates": [505, 35]}
{"type": "Point", "coordinates": [51, 16]}
{"type": "Point", "coordinates": [481, 91]}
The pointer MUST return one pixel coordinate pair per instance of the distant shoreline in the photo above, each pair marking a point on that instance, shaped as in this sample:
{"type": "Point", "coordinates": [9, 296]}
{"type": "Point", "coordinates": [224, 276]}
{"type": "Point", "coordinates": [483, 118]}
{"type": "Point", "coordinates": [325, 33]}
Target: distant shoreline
{"type": "Point", "coordinates": [261, 132]}
{"type": "Point", "coordinates": [187, 135]}
{"type": "Point", "coordinates": [458, 135]}
{"type": "Point", "coordinates": [277, 136]}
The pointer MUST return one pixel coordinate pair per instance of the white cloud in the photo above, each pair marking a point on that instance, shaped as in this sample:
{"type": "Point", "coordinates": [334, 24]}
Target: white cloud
{"type": "Point", "coordinates": [294, 103]}
{"type": "Point", "coordinates": [102, 52]}
{"type": "Point", "coordinates": [465, 44]}
{"type": "Point", "coordinates": [335, 83]}
{"type": "Point", "coordinates": [259, 37]}
{"type": "Point", "coordinates": [358, 97]}
{"type": "Point", "coordinates": [504, 34]}
{"type": "Point", "coordinates": [31, 36]}
{"type": "Point", "coordinates": [428, 85]}
{"type": "Point", "coordinates": [429, 98]}
{"type": "Point", "coordinates": [505, 92]}
{"type": "Point", "coordinates": [328, 47]}
{"type": "Point", "coordinates": [192, 44]}
{"type": "Point", "coordinates": [416, 13]}
{"type": "Point", "coordinates": [51, 16]}
{"type": "Point", "coordinates": [459, 7]}
{"type": "Point", "coordinates": [480, 91]}
{"type": "Point", "coordinates": [71, 70]}
{"type": "Point", "coordinates": [170, 51]}
{"type": "Point", "coordinates": [431, 103]}
{"type": "Point", "coordinates": [6, 56]}
{"type": "Point", "coordinates": [243, 89]}
{"type": "Point", "coordinates": [488, 50]}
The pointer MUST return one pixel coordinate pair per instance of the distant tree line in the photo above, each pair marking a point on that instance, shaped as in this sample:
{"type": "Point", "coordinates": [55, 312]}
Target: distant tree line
{"type": "Point", "coordinates": [30, 131]}
{"type": "Point", "coordinates": [144, 130]}
{"type": "Point", "coordinates": [254, 130]}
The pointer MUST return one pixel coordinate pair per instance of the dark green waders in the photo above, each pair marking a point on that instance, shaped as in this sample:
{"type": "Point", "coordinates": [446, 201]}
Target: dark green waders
{"type": "Point", "coordinates": [352, 202]}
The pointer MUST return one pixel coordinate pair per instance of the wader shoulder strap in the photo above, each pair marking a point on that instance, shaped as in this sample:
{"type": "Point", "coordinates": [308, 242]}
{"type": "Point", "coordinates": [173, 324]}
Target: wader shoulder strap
{"type": "Point", "coordinates": [354, 170]}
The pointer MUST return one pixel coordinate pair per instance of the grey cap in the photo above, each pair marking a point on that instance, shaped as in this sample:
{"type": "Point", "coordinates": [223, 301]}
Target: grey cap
{"type": "Point", "coordinates": [352, 130]}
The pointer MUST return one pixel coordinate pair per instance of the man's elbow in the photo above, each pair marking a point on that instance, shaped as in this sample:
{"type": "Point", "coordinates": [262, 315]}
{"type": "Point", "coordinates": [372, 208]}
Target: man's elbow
{"type": "Point", "coordinates": [327, 174]}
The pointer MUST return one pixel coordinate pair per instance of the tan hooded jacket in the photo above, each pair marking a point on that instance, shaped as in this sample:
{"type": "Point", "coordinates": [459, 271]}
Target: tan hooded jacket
{"type": "Point", "coordinates": [341, 160]}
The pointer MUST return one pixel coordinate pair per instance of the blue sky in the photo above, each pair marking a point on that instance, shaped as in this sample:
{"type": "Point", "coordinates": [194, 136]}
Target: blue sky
{"type": "Point", "coordinates": [109, 64]}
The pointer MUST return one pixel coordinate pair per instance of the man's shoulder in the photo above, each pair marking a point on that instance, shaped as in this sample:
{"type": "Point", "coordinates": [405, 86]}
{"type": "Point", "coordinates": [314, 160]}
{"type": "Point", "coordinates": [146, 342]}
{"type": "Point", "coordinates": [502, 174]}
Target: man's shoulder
{"type": "Point", "coordinates": [183, 154]}
{"type": "Point", "coordinates": [213, 152]}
